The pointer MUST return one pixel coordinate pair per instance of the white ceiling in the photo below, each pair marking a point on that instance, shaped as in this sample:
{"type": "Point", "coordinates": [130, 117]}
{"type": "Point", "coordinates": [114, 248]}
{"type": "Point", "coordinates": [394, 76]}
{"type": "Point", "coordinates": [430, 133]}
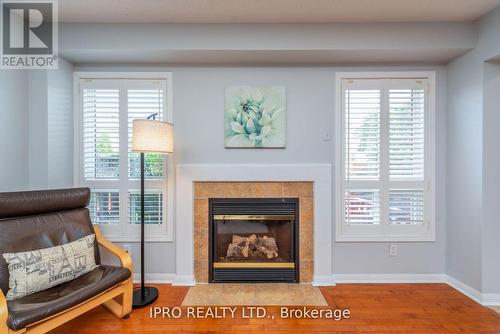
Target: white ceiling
{"type": "Point", "coordinates": [271, 11]}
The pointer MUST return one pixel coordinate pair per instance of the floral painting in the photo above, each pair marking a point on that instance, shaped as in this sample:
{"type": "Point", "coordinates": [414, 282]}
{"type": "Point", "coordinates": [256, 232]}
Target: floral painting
{"type": "Point", "coordinates": [255, 117]}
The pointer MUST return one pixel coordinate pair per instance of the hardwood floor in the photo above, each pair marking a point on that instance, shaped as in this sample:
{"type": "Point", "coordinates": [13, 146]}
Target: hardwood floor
{"type": "Point", "coordinates": [374, 308]}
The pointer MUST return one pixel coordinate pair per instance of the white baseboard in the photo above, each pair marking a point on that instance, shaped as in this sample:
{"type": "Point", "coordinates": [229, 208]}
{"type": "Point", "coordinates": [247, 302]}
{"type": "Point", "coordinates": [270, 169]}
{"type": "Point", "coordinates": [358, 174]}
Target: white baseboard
{"type": "Point", "coordinates": [485, 299]}
{"type": "Point", "coordinates": [388, 278]}
{"type": "Point", "coordinates": [464, 289]}
{"type": "Point", "coordinates": [186, 280]}
{"type": "Point", "coordinates": [165, 278]}
{"type": "Point", "coordinates": [323, 281]}
{"type": "Point", "coordinates": [490, 299]}
{"type": "Point", "coordinates": [155, 278]}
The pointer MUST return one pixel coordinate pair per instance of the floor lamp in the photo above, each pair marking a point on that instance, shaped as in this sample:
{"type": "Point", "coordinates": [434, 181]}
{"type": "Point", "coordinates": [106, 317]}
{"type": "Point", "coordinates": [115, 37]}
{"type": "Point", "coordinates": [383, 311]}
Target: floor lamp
{"type": "Point", "coordinates": [149, 136]}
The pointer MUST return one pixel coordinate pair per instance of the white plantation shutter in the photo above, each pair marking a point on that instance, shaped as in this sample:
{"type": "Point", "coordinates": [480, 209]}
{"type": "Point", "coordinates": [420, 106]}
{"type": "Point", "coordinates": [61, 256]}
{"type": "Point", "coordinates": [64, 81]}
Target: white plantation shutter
{"type": "Point", "coordinates": [101, 140]}
{"type": "Point", "coordinates": [141, 104]}
{"type": "Point", "coordinates": [406, 152]}
{"type": "Point", "coordinates": [104, 207]}
{"type": "Point", "coordinates": [385, 190]}
{"type": "Point", "coordinates": [144, 99]}
{"type": "Point", "coordinates": [108, 165]}
{"type": "Point", "coordinates": [362, 132]}
{"type": "Point", "coordinates": [362, 207]}
{"type": "Point", "coordinates": [153, 207]}
{"type": "Point", "coordinates": [362, 155]}
{"type": "Point", "coordinates": [406, 206]}
{"type": "Point", "coordinates": [406, 133]}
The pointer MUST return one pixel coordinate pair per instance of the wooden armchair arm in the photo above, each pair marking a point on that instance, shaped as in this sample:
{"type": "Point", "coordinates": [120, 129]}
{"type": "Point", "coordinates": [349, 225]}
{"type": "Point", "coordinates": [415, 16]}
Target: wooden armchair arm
{"type": "Point", "coordinates": [117, 251]}
{"type": "Point", "coordinates": [4, 313]}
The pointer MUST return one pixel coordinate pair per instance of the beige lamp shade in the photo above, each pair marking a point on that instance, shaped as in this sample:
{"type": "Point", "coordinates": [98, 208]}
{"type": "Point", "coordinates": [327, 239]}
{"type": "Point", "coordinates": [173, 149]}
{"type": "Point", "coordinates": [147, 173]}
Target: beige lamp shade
{"type": "Point", "coordinates": [152, 136]}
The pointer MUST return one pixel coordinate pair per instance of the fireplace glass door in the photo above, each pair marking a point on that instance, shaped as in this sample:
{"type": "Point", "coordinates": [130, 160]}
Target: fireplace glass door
{"type": "Point", "coordinates": [245, 240]}
{"type": "Point", "coordinates": [253, 240]}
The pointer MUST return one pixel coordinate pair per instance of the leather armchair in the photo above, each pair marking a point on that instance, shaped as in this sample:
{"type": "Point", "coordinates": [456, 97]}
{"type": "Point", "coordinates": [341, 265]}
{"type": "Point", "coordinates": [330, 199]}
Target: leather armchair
{"type": "Point", "coordinates": [40, 219]}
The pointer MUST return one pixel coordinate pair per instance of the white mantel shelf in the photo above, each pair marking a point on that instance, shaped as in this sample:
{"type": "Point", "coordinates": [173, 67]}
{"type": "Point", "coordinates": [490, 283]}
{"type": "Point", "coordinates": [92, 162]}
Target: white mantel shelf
{"type": "Point", "coordinates": [319, 174]}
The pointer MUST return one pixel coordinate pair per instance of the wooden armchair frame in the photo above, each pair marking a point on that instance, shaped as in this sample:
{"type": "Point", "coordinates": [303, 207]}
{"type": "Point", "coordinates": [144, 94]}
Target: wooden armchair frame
{"type": "Point", "coordinates": [118, 299]}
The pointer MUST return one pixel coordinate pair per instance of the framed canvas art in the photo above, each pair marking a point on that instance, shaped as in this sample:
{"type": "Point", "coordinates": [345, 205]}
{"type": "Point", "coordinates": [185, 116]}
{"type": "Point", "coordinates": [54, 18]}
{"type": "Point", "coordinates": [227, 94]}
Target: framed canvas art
{"type": "Point", "coordinates": [255, 117]}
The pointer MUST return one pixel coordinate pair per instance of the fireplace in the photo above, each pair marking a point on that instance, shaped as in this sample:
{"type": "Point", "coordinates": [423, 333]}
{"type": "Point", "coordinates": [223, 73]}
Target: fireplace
{"type": "Point", "coordinates": [253, 240]}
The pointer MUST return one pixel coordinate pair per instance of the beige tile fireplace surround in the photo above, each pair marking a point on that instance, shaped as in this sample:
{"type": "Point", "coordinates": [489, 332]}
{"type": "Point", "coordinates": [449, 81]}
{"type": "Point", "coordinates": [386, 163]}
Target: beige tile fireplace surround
{"type": "Point", "coordinates": [205, 190]}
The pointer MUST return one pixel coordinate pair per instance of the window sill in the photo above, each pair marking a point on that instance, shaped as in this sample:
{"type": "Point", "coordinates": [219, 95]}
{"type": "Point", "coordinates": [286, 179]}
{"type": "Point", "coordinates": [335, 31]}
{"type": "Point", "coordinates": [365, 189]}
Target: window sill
{"type": "Point", "coordinates": [385, 238]}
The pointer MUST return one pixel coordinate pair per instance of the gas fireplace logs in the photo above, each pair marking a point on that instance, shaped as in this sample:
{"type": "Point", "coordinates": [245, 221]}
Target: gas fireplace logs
{"type": "Point", "coordinates": [253, 247]}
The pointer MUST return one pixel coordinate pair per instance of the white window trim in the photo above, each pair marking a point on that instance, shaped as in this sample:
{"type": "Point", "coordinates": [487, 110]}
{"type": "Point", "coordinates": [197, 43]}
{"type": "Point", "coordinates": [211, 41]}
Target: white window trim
{"type": "Point", "coordinates": [167, 233]}
{"type": "Point", "coordinates": [425, 235]}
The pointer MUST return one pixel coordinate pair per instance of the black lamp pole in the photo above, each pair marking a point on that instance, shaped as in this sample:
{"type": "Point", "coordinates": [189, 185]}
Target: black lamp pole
{"type": "Point", "coordinates": [146, 294]}
{"type": "Point", "coordinates": [143, 289]}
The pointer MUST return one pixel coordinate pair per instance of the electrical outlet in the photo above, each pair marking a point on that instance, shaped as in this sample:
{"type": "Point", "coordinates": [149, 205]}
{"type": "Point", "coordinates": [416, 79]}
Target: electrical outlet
{"type": "Point", "coordinates": [326, 135]}
{"type": "Point", "coordinates": [127, 248]}
{"type": "Point", "coordinates": [393, 250]}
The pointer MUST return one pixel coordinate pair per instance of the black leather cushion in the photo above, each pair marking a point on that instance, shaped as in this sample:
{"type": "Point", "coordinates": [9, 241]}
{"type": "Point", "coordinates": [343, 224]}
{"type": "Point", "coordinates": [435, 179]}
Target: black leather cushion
{"type": "Point", "coordinates": [42, 231]}
{"type": "Point", "coordinates": [28, 203]}
{"type": "Point", "coordinates": [32, 308]}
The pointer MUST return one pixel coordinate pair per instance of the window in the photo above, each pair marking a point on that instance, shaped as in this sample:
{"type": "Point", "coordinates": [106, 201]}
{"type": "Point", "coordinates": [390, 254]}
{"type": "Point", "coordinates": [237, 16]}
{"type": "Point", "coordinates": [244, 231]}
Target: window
{"type": "Point", "coordinates": [106, 105]}
{"type": "Point", "coordinates": [385, 157]}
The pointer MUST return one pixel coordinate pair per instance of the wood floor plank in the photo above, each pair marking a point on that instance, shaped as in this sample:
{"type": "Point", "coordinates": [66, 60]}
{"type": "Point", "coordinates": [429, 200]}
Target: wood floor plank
{"type": "Point", "coordinates": [375, 308]}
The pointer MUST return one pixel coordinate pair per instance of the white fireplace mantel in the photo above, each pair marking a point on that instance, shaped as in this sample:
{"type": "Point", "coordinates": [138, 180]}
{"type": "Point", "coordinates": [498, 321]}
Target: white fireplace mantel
{"type": "Point", "coordinates": [319, 174]}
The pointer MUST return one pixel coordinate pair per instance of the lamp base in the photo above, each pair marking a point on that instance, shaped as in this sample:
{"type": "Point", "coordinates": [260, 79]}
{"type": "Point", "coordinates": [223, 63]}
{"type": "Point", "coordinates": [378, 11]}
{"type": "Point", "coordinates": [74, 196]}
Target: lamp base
{"type": "Point", "coordinates": [139, 300]}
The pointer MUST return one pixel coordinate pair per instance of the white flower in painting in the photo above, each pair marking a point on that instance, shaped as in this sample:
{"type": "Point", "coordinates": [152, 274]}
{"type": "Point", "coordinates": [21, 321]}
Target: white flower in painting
{"type": "Point", "coordinates": [255, 117]}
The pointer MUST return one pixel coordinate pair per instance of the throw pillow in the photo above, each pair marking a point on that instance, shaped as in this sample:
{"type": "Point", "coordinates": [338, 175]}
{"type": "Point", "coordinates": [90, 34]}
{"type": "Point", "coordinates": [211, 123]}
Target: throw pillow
{"type": "Point", "coordinates": [38, 270]}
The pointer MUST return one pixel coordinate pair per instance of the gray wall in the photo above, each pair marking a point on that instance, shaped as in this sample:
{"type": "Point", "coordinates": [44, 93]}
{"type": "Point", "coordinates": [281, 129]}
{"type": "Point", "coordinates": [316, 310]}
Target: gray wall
{"type": "Point", "coordinates": [14, 169]}
{"type": "Point", "coordinates": [491, 178]}
{"type": "Point", "coordinates": [199, 91]}
{"type": "Point", "coordinates": [60, 126]}
{"type": "Point", "coordinates": [489, 43]}
{"type": "Point", "coordinates": [472, 165]}
{"type": "Point", "coordinates": [467, 245]}
{"type": "Point", "coordinates": [38, 134]}
{"type": "Point", "coordinates": [198, 103]}
{"type": "Point", "coordinates": [51, 127]}
{"type": "Point", "coordinates": [36, 128]}
{"type": "Point", "coordinates": [160, 257]}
